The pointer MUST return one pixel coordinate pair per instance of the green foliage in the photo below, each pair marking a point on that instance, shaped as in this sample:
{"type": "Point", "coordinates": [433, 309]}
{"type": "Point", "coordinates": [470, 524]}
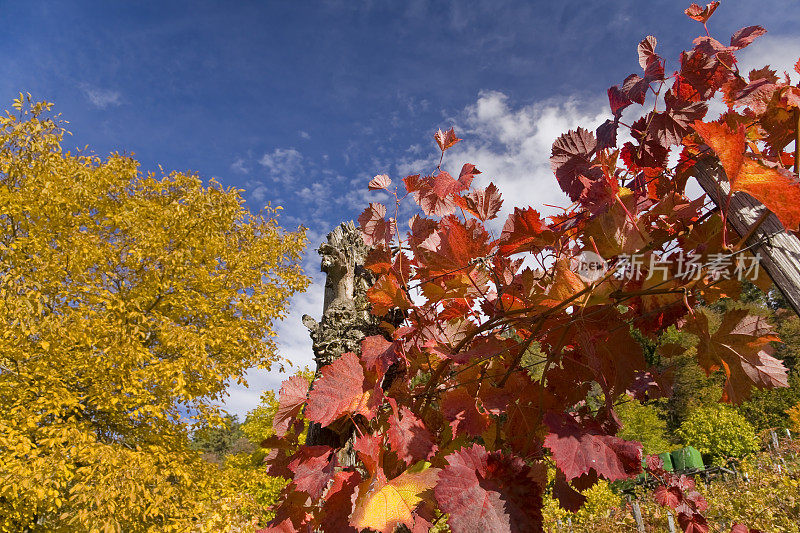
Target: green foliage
{"type": "Point", "coordinates": [218, 441]}
{"type": "Point", "coordinates": [767, 408]}
{"type": "Point", "coordinates": [643, 423]}
{"type": "Point", "coordinates": [719, 432]}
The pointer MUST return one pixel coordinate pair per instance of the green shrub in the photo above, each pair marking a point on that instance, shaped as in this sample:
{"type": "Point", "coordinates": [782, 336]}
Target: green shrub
{"type": "Point", "coordinates": [718, 431]}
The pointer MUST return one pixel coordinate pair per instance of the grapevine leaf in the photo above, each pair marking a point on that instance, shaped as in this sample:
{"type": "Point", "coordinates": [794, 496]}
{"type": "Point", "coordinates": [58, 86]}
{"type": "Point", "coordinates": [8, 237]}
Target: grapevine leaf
{"type": "Point", "coordinates": [694, 522]}
{"type": "Point", "coordinates": [340, 390]}
{"type": "Point", "coordinates": [745, 36]}
{"type": "Point", "coordinates": [523, 231]}
{"type": "Point", "coordinates": [378, 354]}
{"type": "Point", "coordinates": [381, 181]}
{"type": "Point", "coordinates": [571, 158]}
{"type": "Point", "coordinates": [740, 346]}
{"type": "Point", "coordinates": [383, 505]}
{"type": "Point", "coordinates": [618, 100]}
{"type": "Point", "coordinates": [650, 62]}
{"type": "Point", "coordinates": [776, 188]}
{"type": "Point", "coordinates": [670, 126]}
{"type": "Point", "coordinates": [701, 14]}
{"type": "Point", "coordinates": [291, 398]}
{"type": "Point", "coordinates": [374, 226]}
{"type": "Point", "coordinates": [568, 498]}
{"type": "Point", "coordinates": [387, 294]}
{"type": "Point", "coordinates": [635, 88]}
{"type": "Point", "coordinates": [467, 174]}
{"type": "Point", "coordinates": [489, 492]}
{"type": "Point", "coordinates": [607, 134]}
{"type": "Point", "coordinates": [577, 449]}
{"type": "Point", "coordinates": [445, 139]}
{"type": "Point", "coordinates": [459, 407]}
{"type": "Point", "coordinates": [313, 468]}
{"type": "Point", "coordinates": [338, 503]}
{"type": "Point", "coordinates": [369, 450]}
{"type": "Point", "coordinates": [668, 496]}
{"type": "Point", "coordinates": [408, 437]}
{"type": "Point", "coordinates": [483, 203]}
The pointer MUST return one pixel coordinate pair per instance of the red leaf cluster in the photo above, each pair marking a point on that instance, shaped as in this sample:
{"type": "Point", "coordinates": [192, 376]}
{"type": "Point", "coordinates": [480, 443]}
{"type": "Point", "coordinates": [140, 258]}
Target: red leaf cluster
{"type": "Point", "coordinates": [488, 345]}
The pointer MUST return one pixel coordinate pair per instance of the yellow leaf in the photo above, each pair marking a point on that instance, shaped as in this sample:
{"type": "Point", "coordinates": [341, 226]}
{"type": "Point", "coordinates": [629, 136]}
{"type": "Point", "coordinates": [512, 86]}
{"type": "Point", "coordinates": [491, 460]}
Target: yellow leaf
{"type": "Point", "coordinates": [383, 505]}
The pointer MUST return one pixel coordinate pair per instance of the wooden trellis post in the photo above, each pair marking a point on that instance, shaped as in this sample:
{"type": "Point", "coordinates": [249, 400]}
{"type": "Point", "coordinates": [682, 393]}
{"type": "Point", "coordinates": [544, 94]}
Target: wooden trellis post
{"type": "Point", "coordinates": [779, 250]}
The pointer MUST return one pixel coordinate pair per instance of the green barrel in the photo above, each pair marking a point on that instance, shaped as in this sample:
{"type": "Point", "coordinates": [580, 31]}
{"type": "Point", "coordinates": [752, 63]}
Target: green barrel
{"type": "Point", "coordinates": [687, 459]}
{"type": "Point", "coordinates": [666, 458]}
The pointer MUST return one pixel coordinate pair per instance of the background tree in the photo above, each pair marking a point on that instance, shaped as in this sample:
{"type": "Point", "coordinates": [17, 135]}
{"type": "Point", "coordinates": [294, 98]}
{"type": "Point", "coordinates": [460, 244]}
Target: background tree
{"type": "Point", "coordinates": [129, 302]}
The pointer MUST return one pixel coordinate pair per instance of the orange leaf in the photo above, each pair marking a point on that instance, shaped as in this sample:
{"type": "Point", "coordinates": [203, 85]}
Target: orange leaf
{"type": "Point", "coordinates": [700, 14]}
{"type": "Point", "coordinates": [445, 139]}
{"type": "Point", "coordinates": [776, 188]}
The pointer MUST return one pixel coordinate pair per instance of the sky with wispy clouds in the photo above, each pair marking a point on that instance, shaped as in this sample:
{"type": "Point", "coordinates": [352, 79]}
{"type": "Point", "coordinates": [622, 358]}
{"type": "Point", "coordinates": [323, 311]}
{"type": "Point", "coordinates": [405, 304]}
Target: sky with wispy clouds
{"type": "Point", "coordinates": [300, 103]}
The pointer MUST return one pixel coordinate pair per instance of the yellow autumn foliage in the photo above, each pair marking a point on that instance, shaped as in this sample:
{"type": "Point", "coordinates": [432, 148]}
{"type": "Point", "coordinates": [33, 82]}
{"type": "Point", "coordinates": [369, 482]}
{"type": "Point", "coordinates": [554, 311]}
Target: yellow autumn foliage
{"type": "Point", "coordinates": [128, 303]}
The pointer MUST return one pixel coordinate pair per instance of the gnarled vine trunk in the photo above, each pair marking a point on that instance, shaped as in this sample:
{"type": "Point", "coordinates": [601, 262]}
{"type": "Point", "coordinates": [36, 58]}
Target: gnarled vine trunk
{"type": "Point", "coordinates": [346, 320]}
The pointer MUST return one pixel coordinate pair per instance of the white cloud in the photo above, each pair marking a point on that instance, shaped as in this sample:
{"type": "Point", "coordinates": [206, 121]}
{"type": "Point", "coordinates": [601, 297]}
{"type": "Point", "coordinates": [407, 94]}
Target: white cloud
{"type": "Point", "coordinates": [511, 146]}
{"type": "Point", "coordinates": [294, 344]}
{"type": "Point", "coordinates": [780, 52]}
{"type": "Point", "coordinates": [304, 134]}
{"type": "Point", "coordinates": [101, 98]}
{"type": "Point", "coordinates": [240, 166]}
{"type": "Point", "coordinates": [283, 164]}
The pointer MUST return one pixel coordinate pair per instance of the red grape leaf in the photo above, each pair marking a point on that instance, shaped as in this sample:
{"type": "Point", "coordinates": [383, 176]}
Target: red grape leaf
{"type": "Point", "coordinates": [408, 437]}
{"type": "Point", "coordinates": [291, 399]}
{"type": "Point", "coordinates": [435, 195]}
{"type": "Point", "coordinates": [617, 100]}
{"type": "Point", "coordinates": [701, 14]}
{"type": "Point", "coordinates": [467, 174]}
{"type": "Point", "coordinates": [338, 504]}
{"type": "Point", "coordinates": [670, 126]}
{"type": "Point", "coordinates": [635, 88]}
{"type": "Point", "coordinates": [381, 181]}
{"type": "Point", "coordinates": [706, 74]}
{"type": "Point", "coordinates": [577, 449]}
{"type": "Point", "coordinates": [387, 294]}
{"type": "Point", "coordinates": [776, 188]}
{"type": "Point", "coordinates": [607, 134]}
{"type": "Point", "coordinates": [378, 261]}
{"type": "Point", "coordinates": [485, 492]}
{"type": "Point", "coordinates": [668, 496]}
{"type": "Point", "coordinates": [571, 158]}
{"type": "Point", "coordinates": [370, 451]}
{"type": "Point", "coordinates": [649, 60]}
{"type": "Point", "coordinates": [745, 36]}
{"type": "Point", "coordinates": [383, 505]}
{"type": "Point", "coordinates": [695, 522]}
{"type": "Point", "coordinates": [445, 139]}
{"type": "Point", "coordinates": [453, 246]}
{"type": "Point", "coordinates": [741, 348]}
{"type": "Point", "coordinates": [378, 354]}
{"type": "Point", "coordinates": [568, 498]}
{"type": "Point", "coordinates": [412, 183]}
{"type": "Point", "coordinates": [340, 390]}
{"type": "Point", "coordinates": [524, 230]}
{"type": "Point", "coordinates": [459, 407]}
{"type": "Point", "coordinates": [291, 516]}
{"type": "Point", "coordinates": [313, 468]}
{"type": "Point", "coordinates": [374, 226]}
{"type": "Point", "coordinates": [797, 66]}
{"type": "Point", "coordinates": [483, 203]}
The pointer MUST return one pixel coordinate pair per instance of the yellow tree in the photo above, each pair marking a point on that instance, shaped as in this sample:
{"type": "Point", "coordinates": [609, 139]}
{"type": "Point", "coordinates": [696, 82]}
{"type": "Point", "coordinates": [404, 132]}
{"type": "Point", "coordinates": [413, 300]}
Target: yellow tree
{"type": "Point", "coordinates": [129, 303]}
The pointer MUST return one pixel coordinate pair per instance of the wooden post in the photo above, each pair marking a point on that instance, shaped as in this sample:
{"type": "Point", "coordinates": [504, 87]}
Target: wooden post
{"type": "Point", "coordinates": [670, 523]}
{"type": "Point", "coordinates": [780, 253]}
{"type": "Point", "coordinates": [637, 514]}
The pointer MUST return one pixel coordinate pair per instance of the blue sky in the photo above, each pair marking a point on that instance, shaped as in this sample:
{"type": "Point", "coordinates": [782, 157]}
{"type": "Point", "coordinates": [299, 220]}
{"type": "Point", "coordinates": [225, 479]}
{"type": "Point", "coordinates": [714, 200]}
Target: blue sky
{"type": "Point", "coordinates": [300, 103]}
